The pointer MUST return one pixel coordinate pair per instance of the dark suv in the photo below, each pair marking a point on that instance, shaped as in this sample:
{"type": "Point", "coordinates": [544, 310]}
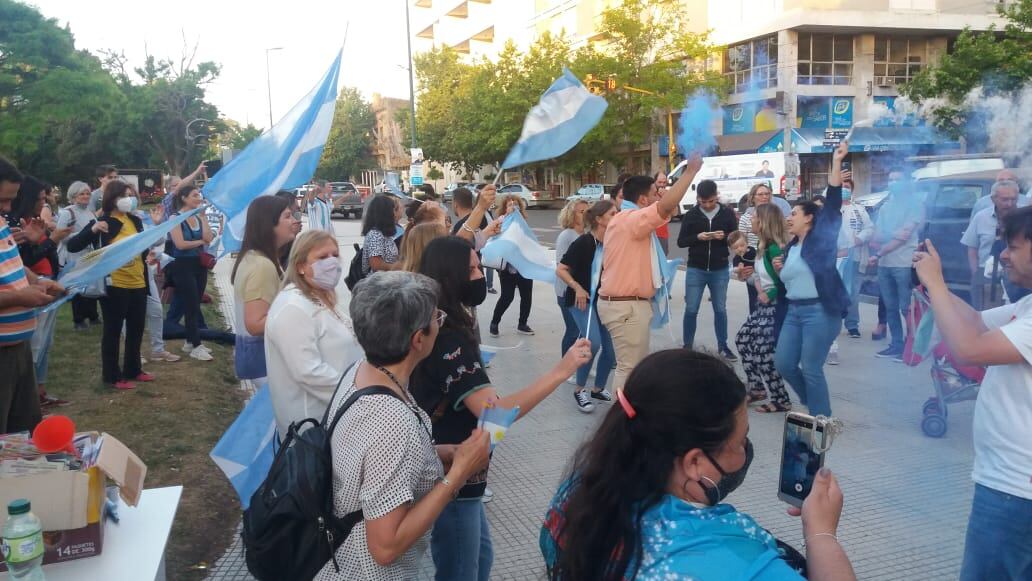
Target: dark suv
{"type": "Point", "coordinates": [948, 202]}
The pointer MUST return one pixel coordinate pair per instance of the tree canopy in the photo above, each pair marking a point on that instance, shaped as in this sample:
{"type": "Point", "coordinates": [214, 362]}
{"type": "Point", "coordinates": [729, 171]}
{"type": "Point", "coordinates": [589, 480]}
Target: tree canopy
{"type": "Point", "coordinates": [349, 146]}
{"type": "Point", "coordinates": [63, 110]}
{"type": "Point", "coordinates": [471, 113]}
{"type": "Point", "coordinates": [997, 62]}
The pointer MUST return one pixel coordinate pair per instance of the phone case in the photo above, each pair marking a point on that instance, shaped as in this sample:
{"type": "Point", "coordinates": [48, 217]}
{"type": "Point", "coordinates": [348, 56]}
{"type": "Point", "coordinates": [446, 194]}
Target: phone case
{"type": "Point", "coordinates": [805, 463]}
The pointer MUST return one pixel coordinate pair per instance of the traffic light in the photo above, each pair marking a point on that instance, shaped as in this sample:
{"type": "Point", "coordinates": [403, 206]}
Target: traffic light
{"type": "Point", "coordinates": [595, 86]}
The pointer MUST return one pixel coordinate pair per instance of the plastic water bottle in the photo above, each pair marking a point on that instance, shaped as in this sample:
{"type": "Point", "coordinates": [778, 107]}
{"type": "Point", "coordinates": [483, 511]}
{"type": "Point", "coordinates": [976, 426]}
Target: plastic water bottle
{"type": "Point", "coordinates": [23, 542]}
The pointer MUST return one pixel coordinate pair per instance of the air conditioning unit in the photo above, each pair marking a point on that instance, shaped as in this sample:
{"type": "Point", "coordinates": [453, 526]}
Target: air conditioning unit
{"type": "Point", "coordinates": [885, 82]}
{"type": "Point", "coordinates": [782, 103]}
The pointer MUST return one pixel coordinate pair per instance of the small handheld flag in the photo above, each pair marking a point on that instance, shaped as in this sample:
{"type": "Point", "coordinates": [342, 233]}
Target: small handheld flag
{"type": "Point", "coordinates": [496, 421]}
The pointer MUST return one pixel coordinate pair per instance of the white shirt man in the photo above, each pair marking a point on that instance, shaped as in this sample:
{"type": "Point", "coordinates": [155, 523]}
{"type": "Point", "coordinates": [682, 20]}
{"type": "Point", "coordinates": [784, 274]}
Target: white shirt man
{"type": "Point", "coordinates": [983, 232]}
{"type": "Point", "coordinates": [998, 545]}
{"type": "Point", "coordinates": [320, 208]}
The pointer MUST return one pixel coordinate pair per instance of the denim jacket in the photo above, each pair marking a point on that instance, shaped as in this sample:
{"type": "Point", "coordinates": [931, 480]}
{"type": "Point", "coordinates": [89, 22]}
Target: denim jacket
{"type": "Point", "coordinates": [820, 251]}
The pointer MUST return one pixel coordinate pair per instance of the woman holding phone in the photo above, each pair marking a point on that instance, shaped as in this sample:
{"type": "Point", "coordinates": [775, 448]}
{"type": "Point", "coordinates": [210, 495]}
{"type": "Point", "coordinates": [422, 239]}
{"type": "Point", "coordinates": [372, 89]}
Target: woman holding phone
{"type": "Point", "coordinates": [815, 296]}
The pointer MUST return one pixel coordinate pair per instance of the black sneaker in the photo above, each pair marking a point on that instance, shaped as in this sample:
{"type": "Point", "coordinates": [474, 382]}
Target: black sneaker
{"type": "Point", "coordinates": [854, 334]}
{"type": "Point", "coordinates": [726, 353]}
{"type": "Point", "coordinates": [584, 403]}
{"type": "Point", "coordinates": [890, 353]}
{"type": "Point", "coordinates": [524, 330]}
{"type": "Point", "coordinates": [492, 290]}
{"type": "Point", "coordinates": [494, 329]}
{"type": "Point", "coordinates": [603, 395]}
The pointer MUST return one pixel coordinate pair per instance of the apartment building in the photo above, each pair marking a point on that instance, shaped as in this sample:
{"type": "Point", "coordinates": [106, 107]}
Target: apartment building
{"type": "Point", "coordinates": [478, 28]}
{"type": "Point", "coordinates": [814, 65]}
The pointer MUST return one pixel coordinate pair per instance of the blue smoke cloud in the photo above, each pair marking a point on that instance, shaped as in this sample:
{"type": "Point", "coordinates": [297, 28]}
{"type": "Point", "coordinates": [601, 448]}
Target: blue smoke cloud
{"type": "Point", "coordinates": [700, 113]}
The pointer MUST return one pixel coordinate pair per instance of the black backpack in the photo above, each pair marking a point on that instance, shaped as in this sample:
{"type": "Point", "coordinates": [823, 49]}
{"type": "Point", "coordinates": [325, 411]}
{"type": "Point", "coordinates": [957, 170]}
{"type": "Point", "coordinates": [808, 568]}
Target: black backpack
{"type": "Point", "coordinates": [290, 530]}
{"type": "Point", "coordinates": [355, 273]}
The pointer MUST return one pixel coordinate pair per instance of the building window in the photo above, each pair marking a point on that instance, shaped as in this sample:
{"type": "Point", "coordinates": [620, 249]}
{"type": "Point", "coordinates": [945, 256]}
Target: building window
{"type": "Point", "coordinates": [752, 65]}
{"type": "Point", "coordinates": [898, 60]}
{"type": "Point", "coordinates": [825, 59]}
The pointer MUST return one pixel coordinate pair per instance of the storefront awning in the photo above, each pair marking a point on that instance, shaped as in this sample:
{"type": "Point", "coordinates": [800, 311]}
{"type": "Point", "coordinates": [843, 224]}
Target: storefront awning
{"type": "Point", "coordinates": [744, 142]}
{"type": "Point", "coordinates": [874, 139]}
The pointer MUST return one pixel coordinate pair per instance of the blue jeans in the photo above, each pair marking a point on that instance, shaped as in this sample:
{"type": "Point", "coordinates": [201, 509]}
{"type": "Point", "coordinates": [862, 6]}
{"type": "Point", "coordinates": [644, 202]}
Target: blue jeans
{"type": "Point", "coordinates": [571, 333]}
{"type": "Point", "coordinates": [600, 339]}
{"type": "Point", "coordinates": [894, 285]}
{"type": "Point", "coordinates": [176, 310]}
{"type": "Point", "coordinates": [806, 337]}
{"type": "Point", "coordinates": [999, 537]}
{"type": "Point", "coordinates": [461, 542]}
{"type": "Point", "coordinates": [695, 281]}
{"type": "Point", "coordinates": [851, 279]}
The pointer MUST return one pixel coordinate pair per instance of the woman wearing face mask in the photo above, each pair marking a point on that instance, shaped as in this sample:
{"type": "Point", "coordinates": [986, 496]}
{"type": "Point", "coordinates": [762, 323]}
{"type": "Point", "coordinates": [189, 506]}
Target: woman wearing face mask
{"type": "Point", "coordinates": [452, 386]}
{"type": "Point", "coordinates": [305, 361]}
{"type": "Point", "coordinates": [575, 268]}
{"type": "Point", "coordinates": [813, 298]}
{"type": "Point", "coordinates": [644, 497]}
{"type": "Point", "coordinates": [76, 216]}
{"type": "Point", "coordinates": [188, 275]}
{"type": "Point", "coordinates": [127, 288]}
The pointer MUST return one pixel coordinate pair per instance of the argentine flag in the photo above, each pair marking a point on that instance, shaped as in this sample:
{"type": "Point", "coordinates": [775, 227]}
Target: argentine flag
{"type": "Point", "coordinates": [283, 158]}
{"type": "Point", "coordinates": [245, 451]}
{"type": "Point", "coordinates": [518, 245]}
{"type": "Point", "coordinates": [563, 116]}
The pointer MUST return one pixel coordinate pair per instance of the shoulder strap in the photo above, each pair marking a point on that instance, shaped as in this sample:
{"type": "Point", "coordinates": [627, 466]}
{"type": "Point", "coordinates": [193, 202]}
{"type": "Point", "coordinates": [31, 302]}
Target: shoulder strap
{"type": "Point", "coordinates": [372, 390]}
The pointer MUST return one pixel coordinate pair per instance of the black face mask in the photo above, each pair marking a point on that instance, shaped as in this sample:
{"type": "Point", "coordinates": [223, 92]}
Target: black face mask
{"type": "Point", "coordinates": [718, 491]}
{"type": "Point", "coordinates": [474, 292]}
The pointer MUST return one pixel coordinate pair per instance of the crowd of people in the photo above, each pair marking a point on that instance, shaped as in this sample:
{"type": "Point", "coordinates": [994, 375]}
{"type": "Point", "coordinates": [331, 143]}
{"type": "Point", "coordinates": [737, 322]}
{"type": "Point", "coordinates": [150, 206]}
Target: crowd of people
{"type": "Point", "coordinates": [674, 443]}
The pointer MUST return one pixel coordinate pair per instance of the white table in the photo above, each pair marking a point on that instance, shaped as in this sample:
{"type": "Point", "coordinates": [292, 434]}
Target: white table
{"type": "Point", "coordinates": [134, 549]}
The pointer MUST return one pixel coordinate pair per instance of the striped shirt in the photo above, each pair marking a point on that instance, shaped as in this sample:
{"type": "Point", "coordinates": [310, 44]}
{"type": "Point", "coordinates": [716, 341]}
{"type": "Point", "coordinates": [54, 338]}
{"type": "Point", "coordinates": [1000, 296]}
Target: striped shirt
{"type": "Point", "coordinates": [319, 215]}
{"type": "Point", "coordinates": [16, 323]}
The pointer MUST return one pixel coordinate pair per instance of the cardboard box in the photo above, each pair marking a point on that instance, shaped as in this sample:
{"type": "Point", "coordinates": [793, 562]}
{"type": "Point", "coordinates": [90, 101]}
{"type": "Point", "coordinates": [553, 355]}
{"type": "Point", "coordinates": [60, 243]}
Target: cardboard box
{"type": "Point", "coordinates": [70, 504]}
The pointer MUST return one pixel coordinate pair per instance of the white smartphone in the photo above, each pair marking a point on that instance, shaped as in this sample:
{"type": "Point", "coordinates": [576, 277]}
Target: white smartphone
{"type": "Point", "coordinates": [801, 457]}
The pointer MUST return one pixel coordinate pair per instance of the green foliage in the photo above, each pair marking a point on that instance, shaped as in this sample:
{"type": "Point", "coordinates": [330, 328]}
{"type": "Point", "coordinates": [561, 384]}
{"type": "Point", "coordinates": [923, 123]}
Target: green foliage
{"type": "Point", "coordinates": [349, 146]}
{"type": "Point", "coordinates": [434, 174]}
{"type": "Point", "coordinates": [998, 62]}
{"type": "Point", "coordinates": [471, 113]}
{"type": "Point", "coordinates": [64, 111]}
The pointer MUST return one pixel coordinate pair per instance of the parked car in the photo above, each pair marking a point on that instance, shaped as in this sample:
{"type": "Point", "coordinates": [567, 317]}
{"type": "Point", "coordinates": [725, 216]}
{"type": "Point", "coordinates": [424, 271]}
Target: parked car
{"type": "Point", "coordinates": [352, 203]}
{"type": "Point", "coordinates": [535, 197]}
{"type": "Point", "coordinates": [947, 202]}
{"type": "Point", "coordinates": [450, 189]}
{"type": "Point", "coordinates": [594, 192]}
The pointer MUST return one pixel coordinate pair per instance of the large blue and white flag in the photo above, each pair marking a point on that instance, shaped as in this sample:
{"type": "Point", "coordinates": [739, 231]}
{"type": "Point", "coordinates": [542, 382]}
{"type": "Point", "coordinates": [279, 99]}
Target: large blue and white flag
{"type": "Point", "coordinates": [518, 245]}
{"type": "Point", "coordinates": [82, 272]}
{"type": "Point", "coordinates": [283, 158]}
{"type": "Point", "coordinates": [563, 116]}
{"type": "Point", "coordinates": [245, 452]}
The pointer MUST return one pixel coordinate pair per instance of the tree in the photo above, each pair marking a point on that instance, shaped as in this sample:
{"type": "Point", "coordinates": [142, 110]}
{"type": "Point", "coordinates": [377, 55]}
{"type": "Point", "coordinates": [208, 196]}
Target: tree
{"type": "Point", "coordinates": [349, 146]}
{"type": "Point", "coordinates": [434, 174]}
{"type": "Point", "coordinates": [471, 114]}
{"type": "Point", "coordinates": [997, 62]}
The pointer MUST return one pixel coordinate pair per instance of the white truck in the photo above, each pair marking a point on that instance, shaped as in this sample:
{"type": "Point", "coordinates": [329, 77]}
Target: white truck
{"type": "Point", "coordinates": [735, 175]}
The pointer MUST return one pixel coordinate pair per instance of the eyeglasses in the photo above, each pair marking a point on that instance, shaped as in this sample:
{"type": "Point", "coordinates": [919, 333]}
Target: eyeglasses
{"type": "Point", "coordinates": [441, 316]}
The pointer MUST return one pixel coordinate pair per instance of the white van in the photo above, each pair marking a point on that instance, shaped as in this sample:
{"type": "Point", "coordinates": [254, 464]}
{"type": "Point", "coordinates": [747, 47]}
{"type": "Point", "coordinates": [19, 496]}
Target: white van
{"type": "Point", "coordinates": [735, 175]}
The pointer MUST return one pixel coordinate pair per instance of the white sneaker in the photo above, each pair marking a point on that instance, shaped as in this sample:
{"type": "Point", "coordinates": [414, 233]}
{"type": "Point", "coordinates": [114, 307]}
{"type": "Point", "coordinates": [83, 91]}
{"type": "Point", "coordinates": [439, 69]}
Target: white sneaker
{"type": "Point", "coordinates": [584, 403]}
{"type": "Point", "coordinates": [572, 380]}
{"type": "Point", "coordinates": [200, 354]}
{"type": "Point", "coordinates": [488, 496]}
{"type": "Point", "coordinates": [833, 358]}
{"type": "Point", "coordinates": [143, 361]}
{"type": "Point", "coordinates": [189, 348]}
{"type": "Point", "coordinates": [164, 356]}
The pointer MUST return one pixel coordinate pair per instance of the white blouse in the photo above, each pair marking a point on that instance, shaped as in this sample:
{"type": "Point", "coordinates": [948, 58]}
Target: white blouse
{"type": "Point", "coordinates": [308, 347]}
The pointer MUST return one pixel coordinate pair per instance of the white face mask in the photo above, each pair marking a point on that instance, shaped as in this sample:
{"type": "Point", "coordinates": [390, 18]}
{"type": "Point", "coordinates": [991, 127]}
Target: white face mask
{"type": "Point", "coordinates": [126, 205]}
{"type": "Point", "coordinates": [326, 272]}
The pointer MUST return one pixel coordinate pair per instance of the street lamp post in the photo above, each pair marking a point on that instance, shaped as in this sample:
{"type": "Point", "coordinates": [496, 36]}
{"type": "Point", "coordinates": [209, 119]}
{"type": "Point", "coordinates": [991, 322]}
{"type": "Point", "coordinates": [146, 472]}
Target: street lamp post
{"type": "Point", "coordinates": [411, 81]}
{"type": "Point", "coordinates": [268, 80]}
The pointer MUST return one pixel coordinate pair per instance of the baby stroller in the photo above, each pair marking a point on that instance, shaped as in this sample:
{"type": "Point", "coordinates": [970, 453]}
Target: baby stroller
{"type": "Point", "coordinates": [952, 381]}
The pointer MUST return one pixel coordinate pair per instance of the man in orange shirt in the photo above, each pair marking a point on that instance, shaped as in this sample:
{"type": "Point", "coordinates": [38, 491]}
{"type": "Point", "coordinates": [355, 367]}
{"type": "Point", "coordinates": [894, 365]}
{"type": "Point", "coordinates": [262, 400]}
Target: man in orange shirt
{"type": "Point", "coordinates": [629, 265]}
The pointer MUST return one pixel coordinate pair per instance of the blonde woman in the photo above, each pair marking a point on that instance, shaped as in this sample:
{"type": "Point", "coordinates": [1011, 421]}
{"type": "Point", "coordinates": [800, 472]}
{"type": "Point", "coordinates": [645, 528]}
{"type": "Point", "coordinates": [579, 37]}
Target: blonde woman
{"type": "Point", "coordinates": [571, 219]}
{"type": "Point", "coordinates": [305, 361]}
{"type": "Point", "coordinates": [511, 278]}
{"type": "Point", "coordinates": [415, 242]}
{"type": "Point", "coordinates": [758, 337]}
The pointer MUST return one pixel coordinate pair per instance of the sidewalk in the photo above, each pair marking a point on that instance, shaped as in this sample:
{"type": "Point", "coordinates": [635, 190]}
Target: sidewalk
{"type": "Point", "coordinates": [907, 496]}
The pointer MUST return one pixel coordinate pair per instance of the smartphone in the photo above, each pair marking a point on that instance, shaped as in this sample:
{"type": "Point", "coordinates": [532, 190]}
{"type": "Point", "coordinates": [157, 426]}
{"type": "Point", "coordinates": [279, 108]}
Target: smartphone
{"type": "Point", "coordinates": [799, 460]}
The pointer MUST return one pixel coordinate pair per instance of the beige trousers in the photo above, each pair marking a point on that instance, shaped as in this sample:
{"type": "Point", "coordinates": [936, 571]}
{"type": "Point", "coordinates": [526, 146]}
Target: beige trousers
{"type": "Point", "coordinates": [628, 324]}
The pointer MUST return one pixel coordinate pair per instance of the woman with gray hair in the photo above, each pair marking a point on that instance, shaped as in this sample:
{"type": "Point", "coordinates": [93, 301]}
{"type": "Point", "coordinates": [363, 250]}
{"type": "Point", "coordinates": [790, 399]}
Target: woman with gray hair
{"type": "Point", "coordinates": [384, 460]}
{"type": "Point", "coordinates": [77, 216]}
